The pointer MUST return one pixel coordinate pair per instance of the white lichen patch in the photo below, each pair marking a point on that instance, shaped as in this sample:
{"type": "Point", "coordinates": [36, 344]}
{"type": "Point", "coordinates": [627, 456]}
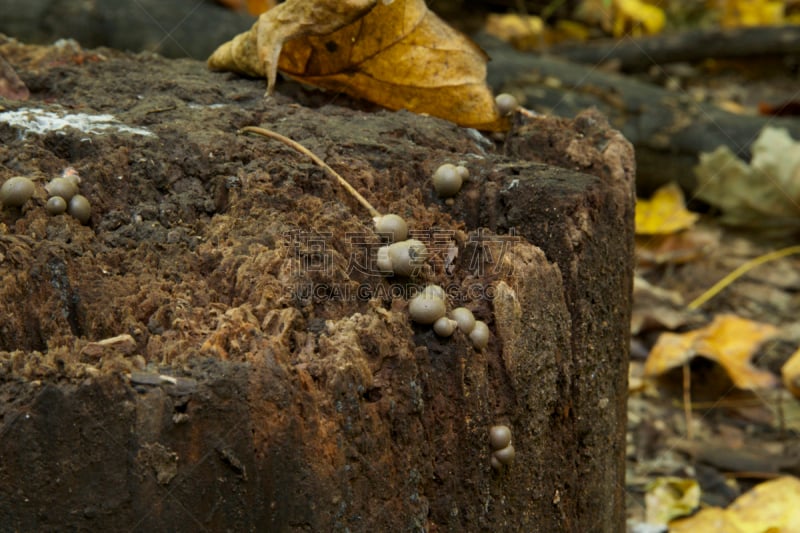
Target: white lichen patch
{"type": "Point", "coordinates": [39, 121]}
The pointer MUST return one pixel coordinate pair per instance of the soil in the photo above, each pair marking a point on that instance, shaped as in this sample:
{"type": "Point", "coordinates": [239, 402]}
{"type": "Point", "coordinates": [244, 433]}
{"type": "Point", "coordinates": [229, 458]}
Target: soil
{"type": "Point", "coordinates": [214, 348]}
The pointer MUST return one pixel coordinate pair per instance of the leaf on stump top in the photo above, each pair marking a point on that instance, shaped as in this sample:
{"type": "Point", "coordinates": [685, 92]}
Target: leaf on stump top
{"type": "Point", "coordinates": [399, 55]}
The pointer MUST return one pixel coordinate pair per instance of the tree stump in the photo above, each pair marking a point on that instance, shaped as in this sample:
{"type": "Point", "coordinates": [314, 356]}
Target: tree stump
{"type": "Point", "coordinates": [213, 350]}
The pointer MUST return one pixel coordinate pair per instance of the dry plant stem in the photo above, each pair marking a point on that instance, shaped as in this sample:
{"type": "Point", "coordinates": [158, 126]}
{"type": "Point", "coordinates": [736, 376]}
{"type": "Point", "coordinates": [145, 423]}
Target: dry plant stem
{"type": "Point", "coordinates": [687, 400]}
{"type": "Point", "coordinates": [303, 150]}
{"type": "Point", "coordinates": [730, 278]}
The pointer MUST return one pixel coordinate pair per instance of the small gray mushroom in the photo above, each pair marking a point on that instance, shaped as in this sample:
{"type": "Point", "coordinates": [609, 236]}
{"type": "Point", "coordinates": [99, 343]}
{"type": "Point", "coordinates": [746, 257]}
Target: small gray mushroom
{"type": "Point", "coordinates": [425, 308]}
{"type": "Point", "coordinates": [505, 455]}
{"type": "Point", "coordinates": [63, 187]}
{"type": "Point", "coordinates": [80, 208]}
{"type": "Point", "coordinates": [465, 319]}
{"type": "Point", "coordinates": [447, 180]}
{"type": "Point", "coordinates": [479, 335]}
{"type": "Point", "coordinates": [407, 256]}
{"type": "Point", "coordinates": [444, 327]}
{"type": "Point", "coordinates": [56, 205]}
{"type": "Point", "coordinates": [16, 191]}
{"type": "Point", "coordinates": [499, 437]}
{"type": "Point", "coordinates": [393, 225]}
{"type": "Point", "coordinates": [506, 104]}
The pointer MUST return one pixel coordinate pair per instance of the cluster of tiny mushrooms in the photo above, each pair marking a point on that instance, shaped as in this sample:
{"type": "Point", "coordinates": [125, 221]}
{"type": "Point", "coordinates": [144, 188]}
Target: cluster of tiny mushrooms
{"type": "Point", "coordinates": [62, 195]}
{"type": "Point", "coordinates": [403, 256]}
{"type": "Point", "coordinates": [502, 450]}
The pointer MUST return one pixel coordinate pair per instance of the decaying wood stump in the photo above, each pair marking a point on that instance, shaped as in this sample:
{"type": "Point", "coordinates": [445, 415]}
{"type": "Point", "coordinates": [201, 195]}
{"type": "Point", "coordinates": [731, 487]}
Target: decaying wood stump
{"type": "Point", "coordinates": [259, 376]}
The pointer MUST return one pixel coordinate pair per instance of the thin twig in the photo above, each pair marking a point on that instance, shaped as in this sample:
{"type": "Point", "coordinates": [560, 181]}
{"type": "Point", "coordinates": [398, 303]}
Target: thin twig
{"type": "Point", "coordinates": [743, 269]}
{"type": "Point", "coordinates": [687, 400]}
{"type": "Point", "coordinates": [303, 150]}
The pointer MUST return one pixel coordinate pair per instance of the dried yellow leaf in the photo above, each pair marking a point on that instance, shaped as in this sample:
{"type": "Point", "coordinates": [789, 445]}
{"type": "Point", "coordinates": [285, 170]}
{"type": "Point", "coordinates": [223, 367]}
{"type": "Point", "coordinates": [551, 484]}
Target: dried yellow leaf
{"type": "Point", "coordinates": [768, 507]}
{"type": "Point", "coordinates": [640, 17]}
{"type": "Point", "coordinates": [397, 54]}
{"type": "Point", "coordinates": [791, 374]}
{"type": "Point", "coordinates": [736, 13]}
{"type": "Point", "coordinates": [524, 32]}
{"type": "Point", "coordinates": [670, 497]}
{"type": "Point", "coordinates": [729, 340]}
{"type": "Point", "coordinates": [664, 213]}
{"type": "Point", "coordinates": [671, 350]}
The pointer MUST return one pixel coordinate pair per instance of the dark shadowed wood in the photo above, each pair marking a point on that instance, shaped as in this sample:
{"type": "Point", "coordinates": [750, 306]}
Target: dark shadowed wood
{"type": "Point", "coordinates": [689, 46]}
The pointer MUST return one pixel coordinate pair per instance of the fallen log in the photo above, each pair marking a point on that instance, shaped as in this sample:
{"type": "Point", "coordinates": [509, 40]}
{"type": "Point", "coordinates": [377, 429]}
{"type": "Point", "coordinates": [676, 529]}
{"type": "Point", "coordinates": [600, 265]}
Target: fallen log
{"type": "Point", "coordinates": [668, 128]}
{"type": "Point", "coordinates": [640, 54]}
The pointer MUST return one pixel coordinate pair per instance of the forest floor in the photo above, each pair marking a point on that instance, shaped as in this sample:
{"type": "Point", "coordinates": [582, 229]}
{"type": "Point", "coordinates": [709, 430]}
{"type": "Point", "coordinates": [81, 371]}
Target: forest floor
{"type": "Point", "coordinates": [692, 421]}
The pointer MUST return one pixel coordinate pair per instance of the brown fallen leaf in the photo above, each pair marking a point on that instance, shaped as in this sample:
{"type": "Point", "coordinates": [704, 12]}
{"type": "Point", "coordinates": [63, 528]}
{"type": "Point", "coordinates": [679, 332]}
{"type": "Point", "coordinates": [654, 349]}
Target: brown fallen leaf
{"type": "Point", "coordinates": [254, 7]}
{"type": "Point", "coordinates": [397, 54]}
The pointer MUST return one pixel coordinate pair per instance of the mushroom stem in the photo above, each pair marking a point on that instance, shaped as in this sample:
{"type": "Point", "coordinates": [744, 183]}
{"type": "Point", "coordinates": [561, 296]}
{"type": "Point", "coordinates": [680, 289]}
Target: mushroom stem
{"type": "Point", "coordinates": [303, 150]}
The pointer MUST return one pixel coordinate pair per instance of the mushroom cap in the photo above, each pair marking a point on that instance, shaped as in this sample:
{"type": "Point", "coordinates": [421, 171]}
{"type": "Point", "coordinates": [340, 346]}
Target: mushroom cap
{"type": "Point", "coordinates": [435, 290]}
{"type": "Point", "coordinates": [393, 225]}
{"type": "Point", "coordinates": [16, 191]}
{"type": "Point", "coordinates": [444, 327]}
{"type": "Point", "coordinates": [407, 256]}
{"type": "Point", "coordinates": [465, 319]}
{"type": "Point", "coordinates": [447, 180]}
{"type": "Point", "coordinates": [499, 437]}
{"type": "Point", "coordinates": [56, 205]}
{"type": "Point", "coordinates": [426, 309]}
{"type": "Point", "coordinates": [505, 455]}
{"type": "Point", "coordinates": [80, 208]}
{"type": "Point", "coordinates": [383, 261]}
{"type": "Point", "coordinates": [63, 187]}
{"type": "Point", "coordinates": [506, 104]}
{"type": "Point", "coordinates": [479, 335]}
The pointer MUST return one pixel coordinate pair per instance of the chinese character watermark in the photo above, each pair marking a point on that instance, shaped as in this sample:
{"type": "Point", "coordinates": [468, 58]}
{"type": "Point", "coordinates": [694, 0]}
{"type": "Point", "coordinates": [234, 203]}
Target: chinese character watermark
{"type": "Point", "coordinates": [484, 255]}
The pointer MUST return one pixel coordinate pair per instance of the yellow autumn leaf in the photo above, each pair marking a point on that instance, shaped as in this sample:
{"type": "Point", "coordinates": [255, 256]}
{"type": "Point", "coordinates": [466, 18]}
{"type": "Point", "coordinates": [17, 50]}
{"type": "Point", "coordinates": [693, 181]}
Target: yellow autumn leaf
{"type": "Point", "coordinates": [524, 32]}
{"type": "Point", "coordinates": [790, 371]}
{"type": "Point", "coordinates": [396, 54]}
{"type": "Point", "coordinates": [664, 213]}
{"type": "Point", "coordinates": [768, 507]}
{"type": "Point", "coordinates": [638, 16]}
{"type": "Point", "coordinates": [736, 13]}
{"type": "Point", "coordinates": [667, 498]}
{"type": "Point", "coordinates": [729, 340]}
{"type": "Point", "coordinates": [671, 350]}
